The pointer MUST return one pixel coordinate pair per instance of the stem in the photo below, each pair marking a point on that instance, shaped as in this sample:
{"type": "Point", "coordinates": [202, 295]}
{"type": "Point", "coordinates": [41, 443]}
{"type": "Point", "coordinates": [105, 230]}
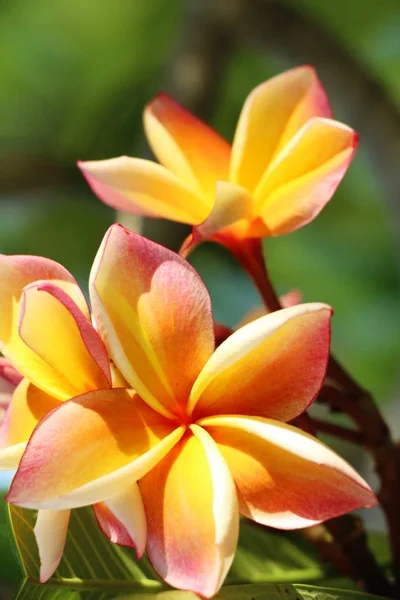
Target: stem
{"type": "Point", "coordinates": [342, 393]}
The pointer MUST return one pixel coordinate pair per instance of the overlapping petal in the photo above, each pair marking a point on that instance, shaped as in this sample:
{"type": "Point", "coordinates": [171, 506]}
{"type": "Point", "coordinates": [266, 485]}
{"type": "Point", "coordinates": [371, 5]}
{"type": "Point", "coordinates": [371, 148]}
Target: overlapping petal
{"type": "Point", "coordinates": [50, 533]}
{"type": "Point", "coordinates": [16, 272]}
{"type": "Point", "coordinates": [119, 430]}
{"type": "Point", "coordinates": [286, 478]}
{"type": "Point", "coordinates": [122, 518]}
{"type": "Point", "coordinates": [154, 313]}
{"type": "Point", "coordinates": [9, 379]}
{"type": "Point", "coordinates": [145, 188]}
{"type": "Point", "coordinates": [272, 114]}
{"type": "Point", "coordinates": [27, 407]}
{"type": "Point", "coordinates": [233, 205]}
{"type": "Point", "coordinates": [193, 517]}
{"type": "Point", "coordinates": [69, 356]}
{"type": "Point", "coordinates": [272, 367]}
{"type": "Point", "coordinates": [305, 175]}
{"type": "Point", "coordinates": [189, 148]}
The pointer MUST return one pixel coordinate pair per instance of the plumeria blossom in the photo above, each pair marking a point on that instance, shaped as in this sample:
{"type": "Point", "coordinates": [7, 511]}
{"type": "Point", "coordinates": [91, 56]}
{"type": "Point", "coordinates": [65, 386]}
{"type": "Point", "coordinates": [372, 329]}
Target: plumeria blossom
{"type": "Point", "coordinates": [204, 433]}
{"type": "Point", "coordinates": [287, 158]}
{"type": "Point", "coordinates": [53, 353]}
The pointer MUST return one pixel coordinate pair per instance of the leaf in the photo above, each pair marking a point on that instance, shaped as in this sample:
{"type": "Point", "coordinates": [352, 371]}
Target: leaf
{"type": "Point", "coordinates": [32, 591]}
{"type": "Point", "coordinates": [88, 554]}
{"type": "Point", "coordinates": [267, 555]}
{"type": "Point", "coordinates": [263, 555]}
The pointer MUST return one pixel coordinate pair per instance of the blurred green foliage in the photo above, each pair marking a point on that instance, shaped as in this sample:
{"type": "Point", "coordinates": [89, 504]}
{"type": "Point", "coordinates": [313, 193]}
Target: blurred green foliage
{"type": "Point", "coordinates": [74, 78]}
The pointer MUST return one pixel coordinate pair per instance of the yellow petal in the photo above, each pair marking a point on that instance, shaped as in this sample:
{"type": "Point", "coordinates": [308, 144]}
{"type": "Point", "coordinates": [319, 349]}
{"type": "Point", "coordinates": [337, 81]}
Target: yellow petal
{"type": "Point", "coordinates": [122, 436]}
{"type": "Point", "coordinates": [271, 116]}
{"type": "Point", "coordinates": [193, 517]}
{"type": "Point", "coordinates": [272, 367]}
{"type": "Point", "coordinates": [285, 477]}
{"type": "Point", "coordinates": [154, 313]}
{"type": "Point", "coordinates": [27, 407]}
{"type": "Point", "coordinates": [189, 148]}
{"type": "Point", "coordinates": [127, 507]}
{"type": "Point", "coordinates": [50, 533]}
{"type": "Point", "coordinates": [69, 356]}
{"type": "Point", "coordinates": [233, 204]}
{"type": "Point", "coordinates": [143, 187]}
{"type": "Point", "coordinates": [16, 272]}
{"type": "Point", "coordinates": [305, 175]}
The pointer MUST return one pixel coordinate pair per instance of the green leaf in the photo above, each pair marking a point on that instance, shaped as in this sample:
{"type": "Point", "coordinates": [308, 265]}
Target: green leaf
{"type": "Point", "coordinates": [88, 554]}
{"type": "Point", "coordinates": [263, 555]}
{"type": "Point", "coordinates": [266, 555]}
{"type": "Point", "coordinates": [31, 591]}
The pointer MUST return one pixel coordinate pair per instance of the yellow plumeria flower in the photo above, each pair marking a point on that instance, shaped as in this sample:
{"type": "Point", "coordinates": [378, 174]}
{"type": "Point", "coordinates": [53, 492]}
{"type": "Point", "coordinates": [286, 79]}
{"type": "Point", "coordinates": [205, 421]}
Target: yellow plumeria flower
{"type": "Point", "coordinates": [53, 354]}
{"type": "Point", "coordinates": [287, 158]}
{"type": "Point", "coordinates": [204, 433]}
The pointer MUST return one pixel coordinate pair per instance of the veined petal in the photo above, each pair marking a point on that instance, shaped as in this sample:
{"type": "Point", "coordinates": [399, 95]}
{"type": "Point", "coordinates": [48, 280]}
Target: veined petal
{"type": "Point", "coordinates": [189, 148]}
{"type": "Point", "coordinates": [145, 188]}
{"type": "Point", "coordinates": [272, 367]}
{"type": "Point", "coordinates": [119, 430]}
{"type": "Point", "coordinates": [232, 204]}
{"type": "Point", "coordinates": [69, 356]}
{"type": "Point", "coordinates": [286, 478]}
{"type": "Point", "coordinates": [193, 518]}
{"type": "Point", "coordinates": [51, 532]}
{"type": "Point", "coordinates": [16, 272]}
{"type": "Point", "coordinates": [305, 175]}
{"type": "Point", "coordinates": [122, 518]}
{"type": "Point", "coordinates": [154, 313]}
{"type": "Point", "coordinates": [27, 407]}
{"type": "Point", "coordinates": [271, 115]}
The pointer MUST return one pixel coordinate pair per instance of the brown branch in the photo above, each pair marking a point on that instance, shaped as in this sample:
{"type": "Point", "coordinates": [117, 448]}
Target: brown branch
{"type": "Point", "coordinates": [343, 433]}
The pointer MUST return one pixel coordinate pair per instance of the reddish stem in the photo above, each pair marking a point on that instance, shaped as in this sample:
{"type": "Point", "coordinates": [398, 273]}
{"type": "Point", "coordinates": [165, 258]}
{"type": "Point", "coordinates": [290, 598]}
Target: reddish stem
{"type": "Point", "coordinates": [345, 395]}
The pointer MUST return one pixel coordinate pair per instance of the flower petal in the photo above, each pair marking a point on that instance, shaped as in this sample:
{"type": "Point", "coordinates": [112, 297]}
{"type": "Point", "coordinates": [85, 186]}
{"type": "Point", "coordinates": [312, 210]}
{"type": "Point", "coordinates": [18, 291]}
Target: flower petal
{"type": "Point", "coordinates": [122, 436]}
{"type": "Point", "coordinates": [123, 520]}
{"type": "Point", "coordinates": [111, 526]}
{"type": "Point", "coordinates": [272, 367]}
{"type": "Point", "coordinates": [185, 145]}
{"type": "Point", "coordinates": [51, 532]}
{"type": "Point", "coordinates": [233, 204]}
{"type": "Point", "coordinates": [193, 518]}
{"type": "Point", "coordinates": [69, 356]}
{"type": "Point", "coordinates": [271, 115]}
{"type": "Point", "coordinates": [305, 175]}
{"type": "Point", "coordinates": [16, 272]}
{"type": "Point", "coordinates": [286, 478]}
{"type": "Point", "coordinates": [8, 373]}
{"type": "Point", "coordinates": [154, 313]}
{"type": "Point", "coordinates": [145, 188]}
{"type": "Point", "coordinates": [27, 407]}
{"type": "Point", "coordinates": [9, 379]}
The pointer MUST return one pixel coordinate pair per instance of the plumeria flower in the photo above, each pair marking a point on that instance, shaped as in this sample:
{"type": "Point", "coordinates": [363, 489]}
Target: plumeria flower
{"type": "Point", "coordinates": [287, 158]}
{"type": "Point", "coordinates": [53, 354]}
{"type": "Point", "coordinates": [205, 431]}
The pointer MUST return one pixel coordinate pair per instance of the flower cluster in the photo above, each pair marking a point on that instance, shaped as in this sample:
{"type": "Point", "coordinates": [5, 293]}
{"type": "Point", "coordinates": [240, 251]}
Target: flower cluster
{"type": "Point", "coordinates": [130, 408]}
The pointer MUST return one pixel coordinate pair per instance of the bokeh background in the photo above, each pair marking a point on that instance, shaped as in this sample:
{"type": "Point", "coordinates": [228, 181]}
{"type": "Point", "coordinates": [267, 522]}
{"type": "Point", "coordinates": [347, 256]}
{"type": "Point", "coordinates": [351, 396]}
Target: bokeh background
{"type": "Point", "coordinates": [74, 77]}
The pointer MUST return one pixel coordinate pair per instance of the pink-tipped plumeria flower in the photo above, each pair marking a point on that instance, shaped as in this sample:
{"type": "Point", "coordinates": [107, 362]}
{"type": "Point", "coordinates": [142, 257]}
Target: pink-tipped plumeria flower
{"type": "Point", "coordinates": [287, 158]}
{"type": "Point", "coordinates": [205, 431]}
{"type": "Point", "coordinates": [53, 354]}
